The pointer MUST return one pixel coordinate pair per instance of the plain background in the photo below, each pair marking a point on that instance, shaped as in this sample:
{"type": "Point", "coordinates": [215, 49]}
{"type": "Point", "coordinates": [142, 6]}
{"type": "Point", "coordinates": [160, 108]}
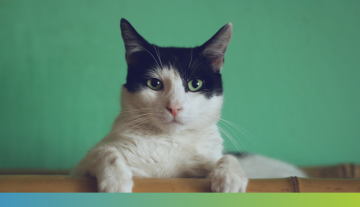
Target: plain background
{"type": "Point", "coordinates": [291, 75]}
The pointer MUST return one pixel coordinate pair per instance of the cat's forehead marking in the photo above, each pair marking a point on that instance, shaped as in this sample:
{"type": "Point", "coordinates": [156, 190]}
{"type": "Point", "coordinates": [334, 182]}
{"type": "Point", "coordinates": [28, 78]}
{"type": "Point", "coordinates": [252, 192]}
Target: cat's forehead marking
{"type": "Point", "coordinates": [165, 72]}
{"type": "Point", "coordinates": [168, 75]}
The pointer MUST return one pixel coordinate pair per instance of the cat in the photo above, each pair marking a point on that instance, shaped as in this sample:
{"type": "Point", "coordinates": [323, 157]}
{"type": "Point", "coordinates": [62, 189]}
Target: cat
{"type": "Point", "coordinates": [170, 105]}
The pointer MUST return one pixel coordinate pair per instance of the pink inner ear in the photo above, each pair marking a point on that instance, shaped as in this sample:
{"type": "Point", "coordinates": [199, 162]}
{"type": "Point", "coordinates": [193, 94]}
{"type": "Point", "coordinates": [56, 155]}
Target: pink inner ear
{"type": "Point", "coordinates": [216, 61]}
{"type": "Point", "coordinates": [217, 64]}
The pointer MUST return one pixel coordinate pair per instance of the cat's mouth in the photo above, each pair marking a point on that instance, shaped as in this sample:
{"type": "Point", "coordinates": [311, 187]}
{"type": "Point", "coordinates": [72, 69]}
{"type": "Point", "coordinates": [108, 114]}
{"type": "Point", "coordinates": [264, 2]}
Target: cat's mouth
{"type": "Point", "coordinates": [173, 122]}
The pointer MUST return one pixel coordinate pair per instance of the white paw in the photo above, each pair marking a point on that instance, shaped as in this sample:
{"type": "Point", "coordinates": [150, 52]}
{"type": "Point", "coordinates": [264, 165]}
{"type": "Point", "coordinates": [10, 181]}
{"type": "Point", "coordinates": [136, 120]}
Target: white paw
{"type": "Point", "coordinates": [228, 183]}
{"type": "Point", "coordinates": [115, 184]}
{"type": "Point", "coordinates": [228, 177]}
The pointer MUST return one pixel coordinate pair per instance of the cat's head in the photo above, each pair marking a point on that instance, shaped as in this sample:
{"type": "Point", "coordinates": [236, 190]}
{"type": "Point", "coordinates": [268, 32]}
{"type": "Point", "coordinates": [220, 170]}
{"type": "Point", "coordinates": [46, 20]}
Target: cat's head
{"type": "Point", "coordinates": [173, 88]}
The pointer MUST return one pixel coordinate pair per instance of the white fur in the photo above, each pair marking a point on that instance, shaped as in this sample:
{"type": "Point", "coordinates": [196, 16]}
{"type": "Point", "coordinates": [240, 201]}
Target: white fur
{"type": "Point", "coordinates": [257, 166]}
{"type": "Point", "coordinates": [147, 141]}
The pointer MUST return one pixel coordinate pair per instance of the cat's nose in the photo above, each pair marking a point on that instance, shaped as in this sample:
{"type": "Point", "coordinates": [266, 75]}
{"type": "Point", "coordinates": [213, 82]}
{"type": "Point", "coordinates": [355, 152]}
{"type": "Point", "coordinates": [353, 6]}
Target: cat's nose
{"type": "Point", "coordinates": [174, 109]}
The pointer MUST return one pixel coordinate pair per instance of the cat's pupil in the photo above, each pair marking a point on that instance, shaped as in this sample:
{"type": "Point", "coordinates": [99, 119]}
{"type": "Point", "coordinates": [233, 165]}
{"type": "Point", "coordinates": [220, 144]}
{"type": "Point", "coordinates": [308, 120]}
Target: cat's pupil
{"type": "Point", "coordinates": [195, 83]}
{"type": "Point", "coordinates": [155, 82]}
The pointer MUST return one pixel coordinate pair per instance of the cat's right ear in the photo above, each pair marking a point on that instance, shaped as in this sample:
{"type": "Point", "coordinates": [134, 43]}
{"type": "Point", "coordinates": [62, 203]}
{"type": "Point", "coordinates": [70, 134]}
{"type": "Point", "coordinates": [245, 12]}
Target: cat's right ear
{"type": "Point", "coordinates": [133, 41]}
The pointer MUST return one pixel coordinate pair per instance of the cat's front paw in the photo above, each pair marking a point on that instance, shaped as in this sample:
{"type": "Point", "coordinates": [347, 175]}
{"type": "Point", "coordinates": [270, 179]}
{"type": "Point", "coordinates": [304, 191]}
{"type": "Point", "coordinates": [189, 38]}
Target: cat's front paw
{"type": "Point", "coordinates": [228, 176]}
{"type": "Point", "coordinates": [115, 184]}
{"type": "Point", "coordinates": [228, 183]}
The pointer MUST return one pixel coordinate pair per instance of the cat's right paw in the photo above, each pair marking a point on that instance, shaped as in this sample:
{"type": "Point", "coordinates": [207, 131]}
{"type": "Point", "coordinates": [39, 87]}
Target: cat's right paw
{"type": "Point", "coordinates": [115, 184]}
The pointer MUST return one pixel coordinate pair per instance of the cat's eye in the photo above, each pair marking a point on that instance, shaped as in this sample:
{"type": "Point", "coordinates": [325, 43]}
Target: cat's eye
{"type": "Point", "coordinates": [154, 84]}
{"type": "Point", "coordinates": [195, 85]}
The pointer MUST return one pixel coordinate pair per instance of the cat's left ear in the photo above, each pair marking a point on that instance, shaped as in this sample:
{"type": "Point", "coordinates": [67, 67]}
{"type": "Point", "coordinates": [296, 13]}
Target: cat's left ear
{"type": "Point", "coordinates": [214, 49]}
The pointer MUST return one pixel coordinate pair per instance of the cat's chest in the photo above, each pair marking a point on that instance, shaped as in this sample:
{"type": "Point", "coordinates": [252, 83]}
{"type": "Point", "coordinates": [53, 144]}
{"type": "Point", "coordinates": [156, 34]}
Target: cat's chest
{"type": "Point", "coordinates": [167, 157]}
{"type": "Point", "coordinates": [159, 151]}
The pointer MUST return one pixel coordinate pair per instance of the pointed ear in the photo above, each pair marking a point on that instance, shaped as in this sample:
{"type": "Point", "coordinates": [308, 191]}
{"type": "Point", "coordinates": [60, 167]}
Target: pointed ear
{"type": "Point", "coordinates": [214, 49]}
{"type": "Point", "coordinates": [133, 41]}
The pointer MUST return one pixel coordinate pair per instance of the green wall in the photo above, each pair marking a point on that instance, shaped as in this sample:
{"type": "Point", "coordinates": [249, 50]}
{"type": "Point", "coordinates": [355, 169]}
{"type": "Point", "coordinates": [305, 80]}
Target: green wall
{"type": "Point", "coordinates": [291, 75]}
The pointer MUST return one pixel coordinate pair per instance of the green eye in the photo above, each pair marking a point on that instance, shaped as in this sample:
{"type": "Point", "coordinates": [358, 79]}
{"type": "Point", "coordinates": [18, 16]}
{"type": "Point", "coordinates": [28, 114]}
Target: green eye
{"type": "Point", "coordinates": [154, 84]}
{"type": "Point", "coordinates": [195, 85]}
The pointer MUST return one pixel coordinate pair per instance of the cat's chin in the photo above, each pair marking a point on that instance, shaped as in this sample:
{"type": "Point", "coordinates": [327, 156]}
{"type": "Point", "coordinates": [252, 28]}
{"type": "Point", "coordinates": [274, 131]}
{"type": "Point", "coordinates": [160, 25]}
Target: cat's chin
{"type": "Point", "coordinates": [173, 126]}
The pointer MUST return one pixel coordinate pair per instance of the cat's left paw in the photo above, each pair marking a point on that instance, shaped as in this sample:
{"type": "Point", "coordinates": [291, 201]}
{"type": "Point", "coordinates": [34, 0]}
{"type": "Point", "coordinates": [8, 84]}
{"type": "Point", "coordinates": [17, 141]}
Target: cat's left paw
{"type": "Point", "coordinates": [228, 176]}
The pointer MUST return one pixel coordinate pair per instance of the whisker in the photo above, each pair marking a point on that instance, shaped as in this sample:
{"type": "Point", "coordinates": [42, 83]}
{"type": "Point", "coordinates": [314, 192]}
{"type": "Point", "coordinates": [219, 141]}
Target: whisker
{"type": "Point", "coordinates": [128, 120]}
{"type": "Point", "coordinates": [230, 138]}
{"type": "Point", "coordinates": [227, 125]}
{"type": "Point", "coordinates": [150, 54]}
{"type": "Point", "coordinates": [158, 55]}
{"type": "Point", "coordinates": [236, 127]}
{"type": "Point", "coordinates": [195, 62]}
{"type": "Point", "coordinates": [232, 132]}
{"type": "Point", "coordinates": [191, 54]}
{"type": "Point", "coordinates": [197, 66]}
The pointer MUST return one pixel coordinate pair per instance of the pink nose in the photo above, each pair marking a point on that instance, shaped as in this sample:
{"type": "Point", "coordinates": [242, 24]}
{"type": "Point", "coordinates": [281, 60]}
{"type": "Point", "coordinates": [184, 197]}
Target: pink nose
{"type": "Point", "coordinates": [174, 110]}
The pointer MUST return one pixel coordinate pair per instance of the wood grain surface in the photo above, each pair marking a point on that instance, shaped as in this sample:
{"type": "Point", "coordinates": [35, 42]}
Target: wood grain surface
{"type": "Point", "coordinates": [66, 183]}
{"type": "Point", "coordinates": [336, 178]}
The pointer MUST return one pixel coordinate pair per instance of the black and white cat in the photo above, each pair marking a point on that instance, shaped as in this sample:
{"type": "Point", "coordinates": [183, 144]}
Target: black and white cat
{"type": "Point", "coordinates": [170, 105]}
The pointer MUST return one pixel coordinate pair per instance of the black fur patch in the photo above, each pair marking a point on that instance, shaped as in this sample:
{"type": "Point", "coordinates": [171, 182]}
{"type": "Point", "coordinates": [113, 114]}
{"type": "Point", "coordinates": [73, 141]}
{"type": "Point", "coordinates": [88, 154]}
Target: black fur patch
{"type": "Point", "coordinates": [189, 62]}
